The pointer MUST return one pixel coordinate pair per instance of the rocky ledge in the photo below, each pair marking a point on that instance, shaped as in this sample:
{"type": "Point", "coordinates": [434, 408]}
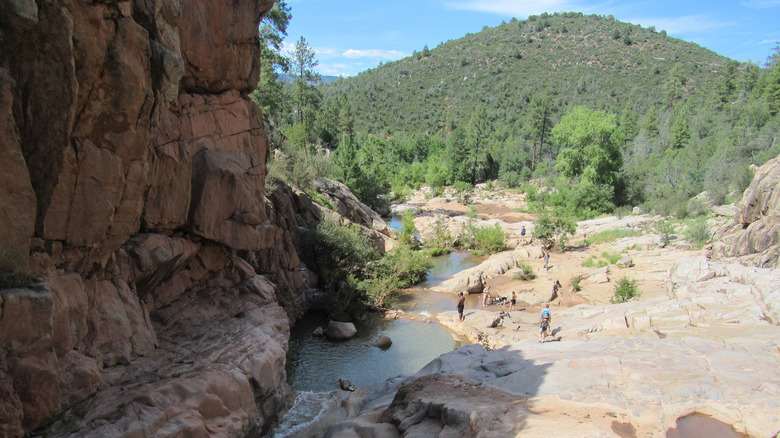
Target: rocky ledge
{"type": "Point", "coordinates": [708, 348]}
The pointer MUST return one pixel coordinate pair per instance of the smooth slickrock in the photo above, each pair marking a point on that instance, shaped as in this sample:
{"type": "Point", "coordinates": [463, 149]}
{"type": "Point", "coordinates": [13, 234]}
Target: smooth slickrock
{"type": "Point", "coordinates": [709, 347]}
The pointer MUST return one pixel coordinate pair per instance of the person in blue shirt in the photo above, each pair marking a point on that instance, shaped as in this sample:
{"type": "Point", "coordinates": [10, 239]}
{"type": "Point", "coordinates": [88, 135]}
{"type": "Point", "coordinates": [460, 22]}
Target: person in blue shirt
{"type": "Point", "coordinates": [544, 322]}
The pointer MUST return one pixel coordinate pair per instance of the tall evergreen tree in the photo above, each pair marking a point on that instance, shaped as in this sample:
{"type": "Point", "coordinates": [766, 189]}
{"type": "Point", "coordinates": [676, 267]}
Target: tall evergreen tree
{"type": "Point", "coordinates": [476, 136]}
{"type": "Point", "coordinates": [269, 94]}
{"type": "Point", "coordinates": [306, 95]}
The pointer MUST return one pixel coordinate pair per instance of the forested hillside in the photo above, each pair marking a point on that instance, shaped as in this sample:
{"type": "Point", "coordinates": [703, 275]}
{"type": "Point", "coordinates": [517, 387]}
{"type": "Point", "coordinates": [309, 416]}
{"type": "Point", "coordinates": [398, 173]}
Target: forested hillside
{"type": "Point", "coordinates": [591, 60]}
{"type": "Point", "coordinates": [612, 113]}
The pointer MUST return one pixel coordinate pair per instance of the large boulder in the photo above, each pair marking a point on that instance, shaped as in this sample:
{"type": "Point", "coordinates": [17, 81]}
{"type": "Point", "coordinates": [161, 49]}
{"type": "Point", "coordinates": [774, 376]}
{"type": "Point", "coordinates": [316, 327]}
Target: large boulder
{"type": "Point", "coordinates": [340, 331]}
{"type": "Point", "coordinates": [348, 206]}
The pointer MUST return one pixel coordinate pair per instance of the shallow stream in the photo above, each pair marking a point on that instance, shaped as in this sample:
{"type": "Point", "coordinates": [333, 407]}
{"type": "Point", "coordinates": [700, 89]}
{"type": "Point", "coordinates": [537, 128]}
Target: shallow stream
{"type": "Point", "coordinates": [315, 364]}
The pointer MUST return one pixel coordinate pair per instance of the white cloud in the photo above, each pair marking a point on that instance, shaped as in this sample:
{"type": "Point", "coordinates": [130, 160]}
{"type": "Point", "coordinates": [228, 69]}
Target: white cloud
{"type": "Point", "coordinates": [521, 8]}
{"type": "Point", "coordinates": [335, 70]}
{"type": "Point", "coordinates": [681, 25]}
{"type": "Point", "coordinates": [374, 53]}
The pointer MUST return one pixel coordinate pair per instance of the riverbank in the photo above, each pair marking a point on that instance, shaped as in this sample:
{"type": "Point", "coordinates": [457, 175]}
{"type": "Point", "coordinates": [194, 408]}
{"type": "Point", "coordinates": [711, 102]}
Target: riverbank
{"type": "Point", "coordinates": [697, 351]}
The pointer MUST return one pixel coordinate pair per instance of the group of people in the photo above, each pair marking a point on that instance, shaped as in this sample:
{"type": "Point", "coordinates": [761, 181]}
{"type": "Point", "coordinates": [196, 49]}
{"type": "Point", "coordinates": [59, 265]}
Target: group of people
{"type": "Point", "coordinates": [545, 320]}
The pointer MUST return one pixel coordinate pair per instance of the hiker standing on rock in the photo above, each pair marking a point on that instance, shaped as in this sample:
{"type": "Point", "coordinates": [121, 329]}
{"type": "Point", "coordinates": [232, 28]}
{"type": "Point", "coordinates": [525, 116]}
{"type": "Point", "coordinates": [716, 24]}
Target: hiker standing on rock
{"type": "Point", "coordinates": [544, 322]}
{"type": "Point", "coordinates": [546, 260]}
{"type": "Point", "coordinates": [461, 306]}
{"type": "Point", "coordinates": [512, 302]}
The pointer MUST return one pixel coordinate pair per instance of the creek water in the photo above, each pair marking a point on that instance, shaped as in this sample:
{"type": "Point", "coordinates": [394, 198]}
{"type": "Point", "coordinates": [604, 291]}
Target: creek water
{"type": "Point", "coordinates": [315, 364]}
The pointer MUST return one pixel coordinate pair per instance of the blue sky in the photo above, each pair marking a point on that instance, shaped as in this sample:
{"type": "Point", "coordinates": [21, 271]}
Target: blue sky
{"type": "Point", "coordinates": [354, 35]}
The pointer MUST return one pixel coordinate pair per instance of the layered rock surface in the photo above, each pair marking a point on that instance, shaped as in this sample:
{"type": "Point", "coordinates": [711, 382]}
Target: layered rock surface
{"type": "Point", "coordinates": [709, 348]}
{"type": "Point", "coordinates": [133, 187]}
{"type": "Point", "coordinates": [754, 236]}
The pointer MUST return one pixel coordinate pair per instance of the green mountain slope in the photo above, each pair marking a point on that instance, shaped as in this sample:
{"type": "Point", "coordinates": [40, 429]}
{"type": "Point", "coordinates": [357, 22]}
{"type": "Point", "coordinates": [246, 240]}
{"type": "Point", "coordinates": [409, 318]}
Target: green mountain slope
{"type": "Point", "coordinates": [581, 60]}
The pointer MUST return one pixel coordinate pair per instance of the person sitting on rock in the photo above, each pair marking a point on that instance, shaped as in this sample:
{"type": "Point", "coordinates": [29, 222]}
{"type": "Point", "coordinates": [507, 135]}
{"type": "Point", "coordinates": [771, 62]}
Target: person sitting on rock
{"type": "Point", "coordinates": [544, 322]}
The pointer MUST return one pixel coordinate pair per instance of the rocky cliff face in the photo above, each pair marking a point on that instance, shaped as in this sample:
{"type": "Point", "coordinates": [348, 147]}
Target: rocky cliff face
{"type": "Point", "coordinates": [754, 237]}
{"type": "Point", "coordinates": [133, 181]}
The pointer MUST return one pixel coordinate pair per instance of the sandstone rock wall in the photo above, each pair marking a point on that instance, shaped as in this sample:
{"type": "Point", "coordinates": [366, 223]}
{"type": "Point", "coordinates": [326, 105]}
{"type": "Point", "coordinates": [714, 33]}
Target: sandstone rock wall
{"type": "Point", "coordinates": [133, 185]}
{"type": "Point", "coordinates": [755, 236]}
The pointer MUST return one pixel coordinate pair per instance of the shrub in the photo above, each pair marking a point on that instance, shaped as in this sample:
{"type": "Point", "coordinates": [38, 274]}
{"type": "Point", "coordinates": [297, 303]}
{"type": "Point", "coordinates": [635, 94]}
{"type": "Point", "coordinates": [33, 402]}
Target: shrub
{"type": "Point", "coordinates": [553, 231]}
{"type": "Point", "coordinates": [611, 258]}
{"type": "Point", "coordinates": [407, 266]}
{"type": "Point", "coordinates": [575, 283]}
{"type": "Point", "coordinates": [472, 213]}
{"type": "Point", "coordinates": [665, 229]}
{"type": "Point", "coordinates": [625, 290]}
{"type": "Point", "coordinates": [594, 262]}
{"type": "Point", "coordinates": [440, 237]}
{"type": "Point", "coordinates": [698, 234]}
{"type": "Point", "coordinates": [526, 272]}
{"type": "Point", "coordinates": [489, 239]}
{"type": "Point", "coordinates": [408, 234]}
{"type": "Point", "coordinates": [319, 198]}
{"type": "Point", "coordinates": [462, 186]}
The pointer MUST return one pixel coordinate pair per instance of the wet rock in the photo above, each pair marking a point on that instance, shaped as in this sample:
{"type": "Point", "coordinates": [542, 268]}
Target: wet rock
{"type": "Point", "coordinates": [346, 385]}
{"type": "Point", "coordinates": [318, 332]}
{"type": "Point", "coordinates": [383, 341]}
{"type": "Point", "coordinates": [340, 331]}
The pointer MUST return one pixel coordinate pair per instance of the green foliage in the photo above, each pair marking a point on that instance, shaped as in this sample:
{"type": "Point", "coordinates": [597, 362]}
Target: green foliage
{"type": "Point", "coordinates": [343, 251]}
{"type": "Point", "coordinates": [605, 259]}
{"type": "Point", "coordinates": [526, 272]}
{"type": "Point", "coordinates": [697, 233]}
{"type": "Point", "coordinates": [440, 240]}
{"type": "Point", "coordinates": [483, 239]}
{"type": "Point", "coordinates": [666, 229]}
{"type": "Point", "coordinates": [472, 213]}
{"type": "Point", "coordinates": [319, 198]}
{"type": "Point", "coordinates": [298, 166]}
{"type": "Point", "coordinates": [409, 267]}
{"type": "Point", "coordinates": [682, 126]}
{"type": "Point", "coordinates": [358, 274]}
{"type": "Point", "coordinates": [554, 231]}
{"type": "Point", "coordinates": [306, 96]}
{"type": "Point", "coordinates": [625, 290]}
{"type": "Point", "coordinates": [575, 283]}
{"type": "Point", "coordinates": [407, 236]}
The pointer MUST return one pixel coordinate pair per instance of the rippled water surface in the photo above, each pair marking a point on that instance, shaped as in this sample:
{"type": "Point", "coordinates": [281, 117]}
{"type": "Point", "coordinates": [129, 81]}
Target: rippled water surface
{"type": "Point", "coordinates": [316, 364]}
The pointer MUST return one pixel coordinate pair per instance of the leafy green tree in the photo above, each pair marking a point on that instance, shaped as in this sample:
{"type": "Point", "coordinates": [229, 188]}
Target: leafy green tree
{"type": "Point", "coordinates": [553, 231]}
{"type": "Point", "coordinates": [591, 146]}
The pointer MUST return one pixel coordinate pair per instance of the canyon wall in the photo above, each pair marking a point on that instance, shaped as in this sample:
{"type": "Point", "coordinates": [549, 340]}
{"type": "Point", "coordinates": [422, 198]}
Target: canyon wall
{"type": "Point", "coordinates": [133, 185]}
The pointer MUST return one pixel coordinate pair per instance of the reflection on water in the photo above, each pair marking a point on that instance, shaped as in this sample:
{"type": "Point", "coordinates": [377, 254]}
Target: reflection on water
{"type": "Point", "coordinates": [395, 223]}
{"type": "Point", "coordinates": [316, 364]}
{"type": "Point", "coordinates": [424, 301]}
{"type": "Point", "coordinates": [444, 267]}
{"type": "Point", "coordinates": [702, 426]}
